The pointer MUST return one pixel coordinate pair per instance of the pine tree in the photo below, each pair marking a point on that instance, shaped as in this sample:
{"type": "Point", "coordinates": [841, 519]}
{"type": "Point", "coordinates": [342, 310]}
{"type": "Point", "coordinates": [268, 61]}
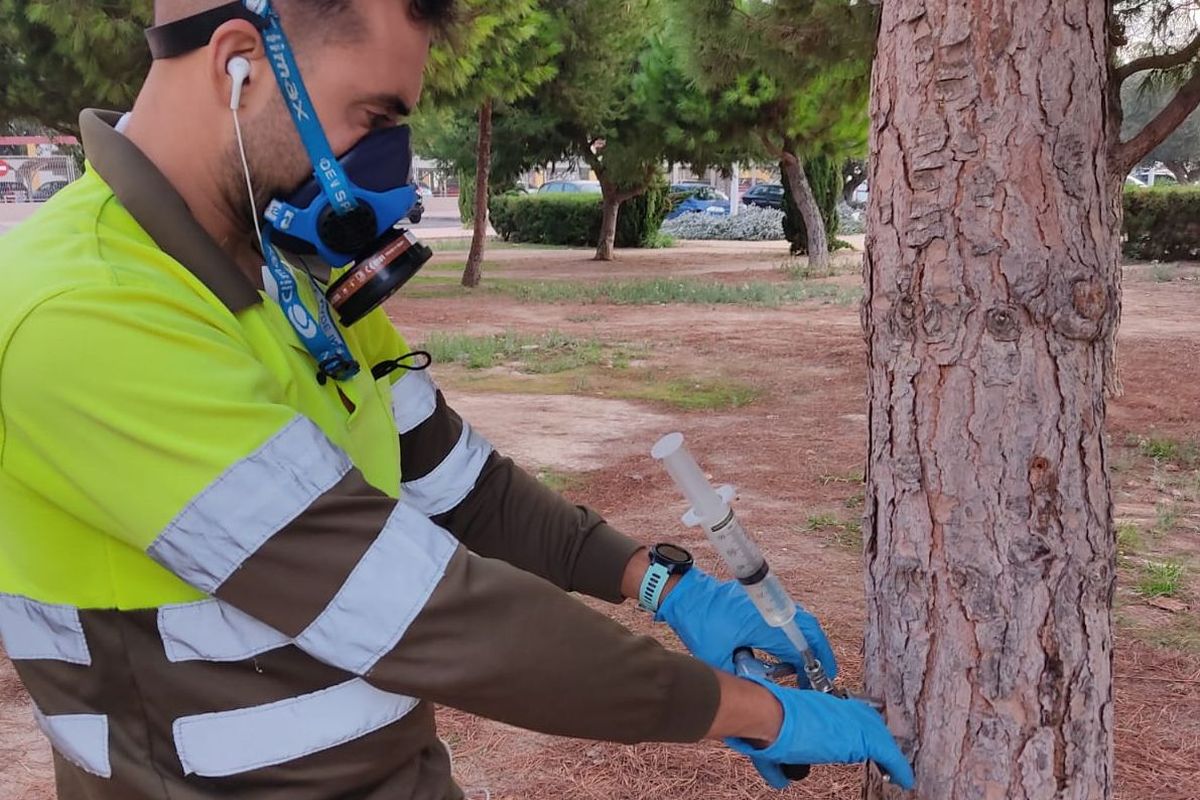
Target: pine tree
{"type": "Point", "coordinates": [502, 53]}
{"type": "Point", "coordinates": [796, 70]}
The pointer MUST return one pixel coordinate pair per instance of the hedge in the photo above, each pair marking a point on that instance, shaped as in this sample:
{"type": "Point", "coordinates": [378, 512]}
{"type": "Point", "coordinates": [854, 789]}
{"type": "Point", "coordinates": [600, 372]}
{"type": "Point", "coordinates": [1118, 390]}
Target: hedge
{"type": "Point", "coordinates": [1162, 222]}
{"type": "Point", "coordinates": [574, 219]}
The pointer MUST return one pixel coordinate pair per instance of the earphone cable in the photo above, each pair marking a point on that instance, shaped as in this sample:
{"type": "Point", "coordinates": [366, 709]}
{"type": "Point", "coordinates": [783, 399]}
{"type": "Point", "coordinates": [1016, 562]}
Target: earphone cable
{"type": "Point", "coordinates": [237, 128]}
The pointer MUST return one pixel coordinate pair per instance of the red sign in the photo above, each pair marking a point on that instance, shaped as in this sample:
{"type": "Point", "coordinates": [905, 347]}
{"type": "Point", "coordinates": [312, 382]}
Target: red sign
{"type": "Point", "coordinates": [4, 168]}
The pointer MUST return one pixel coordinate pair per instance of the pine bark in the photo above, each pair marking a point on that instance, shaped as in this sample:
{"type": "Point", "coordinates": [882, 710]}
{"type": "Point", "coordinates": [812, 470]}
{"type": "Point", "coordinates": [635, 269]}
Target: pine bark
{"type": "Point", "coordinates": [806, 202]}
{"type": "Point", "coordinates": [611, 207]}
{"type": "Point", "coordinates": [473, 273]}
{"type": "Point", "coordinates": [991, 295]}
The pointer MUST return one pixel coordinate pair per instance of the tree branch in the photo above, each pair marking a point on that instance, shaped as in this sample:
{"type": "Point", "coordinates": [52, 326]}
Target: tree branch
{"type": "Point", "coordinates": [778, 152]}
{"type": "Point", "coordinates": [1126, 155]}
{"type": "Point", "coordinates": [1164, 61]}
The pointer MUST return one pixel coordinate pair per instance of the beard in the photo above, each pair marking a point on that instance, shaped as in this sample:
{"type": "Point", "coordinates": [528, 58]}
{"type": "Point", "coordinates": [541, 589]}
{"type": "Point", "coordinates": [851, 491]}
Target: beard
{"type": "Point", "coordinates": [277, 162]}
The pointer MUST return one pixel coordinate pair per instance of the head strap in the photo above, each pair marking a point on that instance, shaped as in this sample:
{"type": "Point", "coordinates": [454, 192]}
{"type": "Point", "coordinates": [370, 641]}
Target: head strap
{"type": "Point", "coordinates": [191, 33]}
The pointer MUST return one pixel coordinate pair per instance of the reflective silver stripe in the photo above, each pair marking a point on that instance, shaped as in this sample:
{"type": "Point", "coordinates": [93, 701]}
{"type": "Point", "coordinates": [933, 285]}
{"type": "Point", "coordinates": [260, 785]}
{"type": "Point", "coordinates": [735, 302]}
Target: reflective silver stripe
{"type": "Point", "coordinates": [81, 739]}
{"type": "Point", "coordinates": [453, 479]}
{"type": "Point", "coordinates": [210, 630]}
{"type": "Point", "coordinates": [387, 588]}
{"type": "Point", "coordinates": [414, 398]}
{"type": "Point", "coordinates": [29, 630]}
{"type": "Point", "coordinates": [230, 742]}
{"type": "Point", "coordinates": [232, 517]}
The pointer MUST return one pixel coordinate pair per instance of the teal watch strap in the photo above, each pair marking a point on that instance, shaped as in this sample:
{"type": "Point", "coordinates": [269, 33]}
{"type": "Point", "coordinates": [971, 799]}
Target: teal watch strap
{"type": "Point", "coordinates": [654, 583]}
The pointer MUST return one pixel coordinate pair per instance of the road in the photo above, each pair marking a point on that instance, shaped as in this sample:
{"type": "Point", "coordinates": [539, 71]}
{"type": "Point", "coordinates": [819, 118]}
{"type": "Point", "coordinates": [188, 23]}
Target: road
{"type": "Point", "coordinates": [440, 221]}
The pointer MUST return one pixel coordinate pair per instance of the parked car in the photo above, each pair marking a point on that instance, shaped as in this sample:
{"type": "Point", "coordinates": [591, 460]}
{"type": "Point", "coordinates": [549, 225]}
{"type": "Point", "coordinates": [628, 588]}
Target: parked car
{"type": "Point", "coordinates": [418, 208]}
{"type": "Point", "coordinates": [588, 187]}
{"type": "Point", "coordinates": [764, 195]}
{"type": "Point", "coordinates": [47, 190]}
{"type": "Point", "coordinates": [12, 192]}
{"type": "Point", "coordinates": [696, 198]}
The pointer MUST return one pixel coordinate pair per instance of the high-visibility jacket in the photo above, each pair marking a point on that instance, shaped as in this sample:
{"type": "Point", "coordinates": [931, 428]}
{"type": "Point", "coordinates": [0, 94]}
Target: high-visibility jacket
{"type": "Point", "coordinates": [221, 577]}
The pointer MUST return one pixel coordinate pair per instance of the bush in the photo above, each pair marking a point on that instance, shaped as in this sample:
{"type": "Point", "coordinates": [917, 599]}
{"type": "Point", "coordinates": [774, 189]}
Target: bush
{"type": "Point", "coordinates": [752, 224]}
{"type": "Point", "coordinates": [574, 219]}
{"type": "Point", "coordinates": [850, 220]}
{"type": "Point", "coordinates": [825, 178]}
{"type": "Point", "coordinates": [570, 219]}
{"type": "Point", "coordinates": [641, 218]}
{"type": "Point", "coordinates": [1162, 223]}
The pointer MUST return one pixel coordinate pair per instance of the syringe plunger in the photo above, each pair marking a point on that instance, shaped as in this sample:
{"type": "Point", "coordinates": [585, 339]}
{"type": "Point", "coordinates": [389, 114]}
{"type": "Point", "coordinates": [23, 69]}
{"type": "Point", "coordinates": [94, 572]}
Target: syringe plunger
{"type": "Point", "coordinates": [680, 465]}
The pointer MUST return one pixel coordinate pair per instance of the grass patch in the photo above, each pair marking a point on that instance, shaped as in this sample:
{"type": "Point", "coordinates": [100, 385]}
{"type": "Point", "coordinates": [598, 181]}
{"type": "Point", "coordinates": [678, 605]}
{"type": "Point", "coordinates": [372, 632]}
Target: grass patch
{"type": "Point", "coordinates": [663, 290]}
{"type": "Point", "coordinates": [853, 476]}
{"type": "Point", "coordinates": [1164, 450]}
{"type": "Point", "coordinates": [1164, 273]}
{"type": "Point", "coordinates": [1166, 517]}
{"type": "Point", "coordinates": [1161, 579]}
{"type": "Point", "coordinates": [843, 533]}
{"type": "Point", "coordinates": [558, 480]}
{"type": "Point", "coordinates": [801, 269]}
{"type": "Point", "coordinates": [546, 354]}
{"type": "Point", "coordinates": [1181, 633]}
{"type": "Point", "coordinates": [1129, 538]}
{"type": "Point", "coordinates": [454, 244]}
{"type": "Point", "coordinates": [693, 395]}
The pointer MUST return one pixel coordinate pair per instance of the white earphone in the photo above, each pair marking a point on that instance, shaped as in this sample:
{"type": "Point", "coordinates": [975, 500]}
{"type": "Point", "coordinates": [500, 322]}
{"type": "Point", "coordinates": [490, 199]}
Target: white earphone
{"type": "Point", "coordinates": [239, 70]}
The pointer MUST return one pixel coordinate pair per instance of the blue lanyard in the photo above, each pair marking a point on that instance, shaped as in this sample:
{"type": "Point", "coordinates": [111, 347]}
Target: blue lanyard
{"type": "Point", "coordinates": [321, 336]}
{"type": "Point", "coordinates": [287, 74]}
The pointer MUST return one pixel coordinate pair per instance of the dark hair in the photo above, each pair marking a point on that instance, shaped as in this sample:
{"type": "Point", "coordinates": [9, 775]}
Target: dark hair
{"type": "Point", "coordinates": [439, 13]}
{"type": "Point", "coordinates": [436, 12]}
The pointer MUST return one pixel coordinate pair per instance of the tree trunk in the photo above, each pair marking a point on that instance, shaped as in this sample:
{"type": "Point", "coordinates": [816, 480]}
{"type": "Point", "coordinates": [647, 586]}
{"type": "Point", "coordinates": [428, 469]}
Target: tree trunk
{"type": "Point", "coordinates": [991, 290]}
{"type": "Point", "coordinates": [608, 223]}
{"type": "Point", "coordinates": [483, 166]}
{"type": "Point", "coordinates": [1183, 171]}
{"type": "Point", "coordinates": [854, 174]}
{"type": "Point", "coordinates": [806, 202]}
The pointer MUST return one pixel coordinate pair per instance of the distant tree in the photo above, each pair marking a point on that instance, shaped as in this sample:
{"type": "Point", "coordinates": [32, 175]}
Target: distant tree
{"type": "Point", "coordinates": [501, 52]}
{"type": "Point", "coordinates": [59, 57]}
{"type": "Point", "coordinates": [1142, 100]}
{"type": "Point", "coordinates": [823, 177]}
{"type": "Point", "coordinates": [799, 72]}
{"type": "Point", "coordinates": [854, 174]}
{"type": "Point", "coordinates": [1154, 46]}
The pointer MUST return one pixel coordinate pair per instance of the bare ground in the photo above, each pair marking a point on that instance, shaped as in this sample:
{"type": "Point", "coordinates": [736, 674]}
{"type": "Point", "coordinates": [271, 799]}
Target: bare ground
{"type": "Point", "coordinates": [796, 454]}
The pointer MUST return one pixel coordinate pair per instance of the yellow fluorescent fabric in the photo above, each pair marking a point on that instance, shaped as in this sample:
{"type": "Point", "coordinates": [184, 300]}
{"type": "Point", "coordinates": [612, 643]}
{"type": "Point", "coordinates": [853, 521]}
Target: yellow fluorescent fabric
{"type": "Point", "coordinates": [127, 387]}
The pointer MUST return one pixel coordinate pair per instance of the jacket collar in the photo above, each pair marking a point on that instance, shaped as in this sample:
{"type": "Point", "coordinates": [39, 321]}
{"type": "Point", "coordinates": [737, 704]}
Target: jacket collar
{"type": "Point", "coordinates": [155, 204]}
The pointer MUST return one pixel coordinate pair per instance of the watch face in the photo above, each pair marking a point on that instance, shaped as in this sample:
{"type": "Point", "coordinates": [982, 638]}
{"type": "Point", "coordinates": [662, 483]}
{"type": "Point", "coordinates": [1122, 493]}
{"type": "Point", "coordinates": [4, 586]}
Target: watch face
{"type": "Point", "coordinates": [672, 554]}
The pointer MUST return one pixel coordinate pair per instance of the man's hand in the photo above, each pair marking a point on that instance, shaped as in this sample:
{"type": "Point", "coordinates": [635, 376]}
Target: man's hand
{"type": "Point", "coordinates": [714, 618]}
{"type": "Point", "coordinates": [822, 729]}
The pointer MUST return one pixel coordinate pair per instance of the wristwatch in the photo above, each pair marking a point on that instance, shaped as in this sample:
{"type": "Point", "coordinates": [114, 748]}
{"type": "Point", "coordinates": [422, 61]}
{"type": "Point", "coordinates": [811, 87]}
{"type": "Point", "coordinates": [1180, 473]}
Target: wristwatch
{"type": "Point", "coordinates": [665, 560]}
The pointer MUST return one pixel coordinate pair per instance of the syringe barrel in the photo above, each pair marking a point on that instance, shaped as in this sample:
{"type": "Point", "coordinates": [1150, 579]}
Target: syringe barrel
{"type": "Point", "coordinates": [772, 601]}
{"type": "Point", "coordinates": [688, 477]}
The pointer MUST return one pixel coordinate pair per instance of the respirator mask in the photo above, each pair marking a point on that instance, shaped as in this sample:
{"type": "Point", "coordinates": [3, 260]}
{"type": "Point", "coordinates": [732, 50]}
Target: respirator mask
{"type": "Point", "coordinates": [347, 213]}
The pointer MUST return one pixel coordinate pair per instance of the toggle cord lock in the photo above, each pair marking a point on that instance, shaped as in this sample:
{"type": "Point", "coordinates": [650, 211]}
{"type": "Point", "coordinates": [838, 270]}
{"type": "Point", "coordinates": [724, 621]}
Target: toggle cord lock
{"type": "Point", "coordinates": [385, 368]}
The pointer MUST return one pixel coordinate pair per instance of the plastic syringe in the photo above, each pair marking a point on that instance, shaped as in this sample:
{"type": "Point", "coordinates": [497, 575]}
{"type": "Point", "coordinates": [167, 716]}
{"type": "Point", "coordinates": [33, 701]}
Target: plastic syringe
{"type": "Point", "coordinates": [710, 510]}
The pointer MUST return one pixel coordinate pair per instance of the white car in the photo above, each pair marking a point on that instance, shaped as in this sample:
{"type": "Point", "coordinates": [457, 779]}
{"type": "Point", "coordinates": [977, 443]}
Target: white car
{"type": "Point", "coordinates": [588, 187]}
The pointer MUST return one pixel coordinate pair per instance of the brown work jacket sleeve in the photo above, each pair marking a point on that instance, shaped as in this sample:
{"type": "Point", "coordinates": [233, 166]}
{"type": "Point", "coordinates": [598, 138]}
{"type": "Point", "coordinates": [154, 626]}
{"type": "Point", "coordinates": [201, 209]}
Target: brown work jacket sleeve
{"type": "Point", "coordinates": [511, 516]}
{"type": "Point", "coordinates": [503, 643]}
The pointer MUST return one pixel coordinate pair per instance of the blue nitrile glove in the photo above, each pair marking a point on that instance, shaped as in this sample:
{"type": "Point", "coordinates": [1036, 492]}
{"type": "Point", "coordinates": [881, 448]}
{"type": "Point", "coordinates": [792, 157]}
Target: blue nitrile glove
{"type": "Point", "coordinates": [823, 729]}
{"type": "Point", "coordinates": [714, 618]}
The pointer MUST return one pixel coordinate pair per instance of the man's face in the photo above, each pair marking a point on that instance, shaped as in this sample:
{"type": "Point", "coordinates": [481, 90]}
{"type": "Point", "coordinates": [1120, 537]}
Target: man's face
{"type": "Point", "coordinates": [361, 76]}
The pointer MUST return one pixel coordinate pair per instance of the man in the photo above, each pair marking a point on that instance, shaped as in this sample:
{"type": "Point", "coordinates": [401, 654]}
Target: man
{"type": "Point", "coordinates": [230, 571]}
